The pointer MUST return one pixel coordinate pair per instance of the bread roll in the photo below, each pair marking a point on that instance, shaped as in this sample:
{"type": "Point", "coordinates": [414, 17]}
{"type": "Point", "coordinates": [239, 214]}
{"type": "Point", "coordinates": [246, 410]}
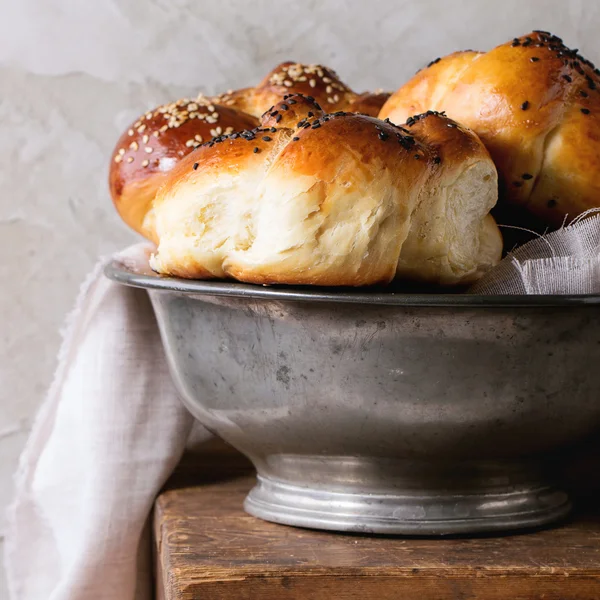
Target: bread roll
{"type": "Point", "coordinates": [535, 104]}
{"type": "Point", "coordinates": [331, 199]}
{"type": "Point", "coordinates": [317, 81]}
{"type": "Point", "coordinates": [152, 146]}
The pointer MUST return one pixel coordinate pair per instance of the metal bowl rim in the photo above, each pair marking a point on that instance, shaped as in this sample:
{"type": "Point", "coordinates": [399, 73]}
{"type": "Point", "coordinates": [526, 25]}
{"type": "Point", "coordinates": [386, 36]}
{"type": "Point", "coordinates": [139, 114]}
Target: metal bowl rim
{"type": "Point", "coordinates": [118, 271]}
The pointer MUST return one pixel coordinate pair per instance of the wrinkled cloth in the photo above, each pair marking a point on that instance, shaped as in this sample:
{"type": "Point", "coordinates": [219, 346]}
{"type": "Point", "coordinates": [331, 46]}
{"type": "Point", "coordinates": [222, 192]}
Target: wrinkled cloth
{"type": "Point", "coordinates": [108, 435]}
{"type": "Point", "coordinates": [563, 262]}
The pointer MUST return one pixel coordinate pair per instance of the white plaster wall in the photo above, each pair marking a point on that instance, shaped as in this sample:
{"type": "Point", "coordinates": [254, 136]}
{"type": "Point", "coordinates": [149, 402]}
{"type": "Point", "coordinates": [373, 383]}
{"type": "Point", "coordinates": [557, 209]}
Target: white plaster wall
{"type": "Point", "coordinates": [74, 72]}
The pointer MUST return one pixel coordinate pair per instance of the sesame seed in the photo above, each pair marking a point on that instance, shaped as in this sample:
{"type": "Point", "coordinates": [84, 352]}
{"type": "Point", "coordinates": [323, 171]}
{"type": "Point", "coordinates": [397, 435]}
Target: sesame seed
{"type": "Point", "coordinates": [130, 132]}
{"type": "Point", "coordinates": [312, 83]}
{"type": "Point", "coordinates": [134, 145]}
{"type": "Point", "coordinates": [195, 166]}
{"type": "Point", "coordinates": [145, 163]}
{"type": "Point", "coordinates": [525, 105]}
{"type": "Point", "coordinates": [118, 158]}
{"type": "Point", "coordinates": [130, 159]}
{"type": "Point", "coordinates": [585, 111]}
{"type": "Point", "coordinates": [141, 128]}
{"type": "Point", "coordinates": [145, 139]}
{"type": "Point", "coordinates": [255, 150]}
{"type": "Point", "coordinates": [148, 150]}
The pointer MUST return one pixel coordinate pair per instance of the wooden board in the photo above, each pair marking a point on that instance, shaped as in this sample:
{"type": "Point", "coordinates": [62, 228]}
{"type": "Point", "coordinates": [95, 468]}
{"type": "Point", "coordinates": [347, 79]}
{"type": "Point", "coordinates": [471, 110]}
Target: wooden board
{"type": "Point", "coordinates": [206, 547]}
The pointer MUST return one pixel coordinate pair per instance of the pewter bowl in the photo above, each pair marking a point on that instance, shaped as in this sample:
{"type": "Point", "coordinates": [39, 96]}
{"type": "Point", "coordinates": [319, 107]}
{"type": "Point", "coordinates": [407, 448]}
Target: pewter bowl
{"type": "Point", "coordinates": [382, 412]}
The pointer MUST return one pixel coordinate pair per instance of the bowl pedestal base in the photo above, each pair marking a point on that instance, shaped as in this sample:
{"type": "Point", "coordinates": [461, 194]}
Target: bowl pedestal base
{"type": "Point", "coordinates": [383, 496]}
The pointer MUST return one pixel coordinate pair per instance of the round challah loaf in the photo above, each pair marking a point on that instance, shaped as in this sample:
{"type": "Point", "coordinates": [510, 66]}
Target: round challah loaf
{"type": "Point", "coordinates": [152, 145]}
{"type": "Point", "coordinates": [535, 104]}
{"type": "Point", "coordinates": [335, 199]}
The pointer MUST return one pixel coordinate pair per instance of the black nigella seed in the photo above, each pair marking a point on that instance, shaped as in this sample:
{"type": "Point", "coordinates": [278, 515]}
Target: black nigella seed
{"type": "Point", "coordinates": [311, 113]}
{"type": "Point", "coordinates": [518, 183]}
{"type": "Point", "coordinates": [552, 203]}
{"type": "Point", "coordinates": [527, 176]}
{"type": "Point", "coordinates": [295, 139]}
{"type": "Point", "coordinates": [307, 124]}
{"type": "Point", "coordinates": [278, 118]}
{"type": "Point", "coordinates": [417, 156]}
{"type": "Point", "coordinates": [291, 102]}
{"type": "Point", "coordinates": [301, 123]}
{"type": "Point", "coordinates": [255, 150]}
{"type": "Point", "coordinates": [452, 125]}
{"type": "Point", "coordinates": [437, 160]}
{"type": "Point", "coordinates": [567, 78]}
{"type": "Point", "coordinates": [583, 94]}
{"type": "Point", "coordinates": [273, 129]}
{"type": "Point", "coordinates": [283, 106]}
{"type": "Point", "coordinates": [527, 43]}
{"type": "Point", "coordinates": [383, 136]}
{"type": "Point", "coordinates": [316, 125]}
{"type": "Point", "coordinates": [266, 138]}
{"type": "Point", "coordinates": [525, 105]}
{"type": "Point", "coordinates": [534, 59]}
{"type": "Point", "coordinates": [585, 111]}
{"type": "Point", "coordinates": [311, 98]}
{"type": "Point", "coordinates": [195, 166]}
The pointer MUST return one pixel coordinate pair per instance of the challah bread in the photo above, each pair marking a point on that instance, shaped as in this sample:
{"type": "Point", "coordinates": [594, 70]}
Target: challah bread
{"type": "Point", "coordinates": [317, 81]}
{"type": "Point", "coordinates": [535, 104]}
{"type": "Point", "coordinates": [152, 146]}
{"type": "Point", "coordinates": [330, 199]}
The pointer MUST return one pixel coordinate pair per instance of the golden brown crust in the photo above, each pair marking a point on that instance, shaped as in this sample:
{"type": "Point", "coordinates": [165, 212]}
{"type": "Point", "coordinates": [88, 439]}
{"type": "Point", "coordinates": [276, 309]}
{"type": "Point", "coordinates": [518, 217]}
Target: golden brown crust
{"type": "Point", "coordinates": [152, 146]}
{"type": "Point", "coordinates": [368, 103]}
{"type": "Point", "coordinates": [536, 106]}
{"type": "Point", "coordinates": [311, 80]}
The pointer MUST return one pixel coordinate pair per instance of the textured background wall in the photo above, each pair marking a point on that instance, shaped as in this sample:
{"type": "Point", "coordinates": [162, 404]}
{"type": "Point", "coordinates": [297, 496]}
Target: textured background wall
{"type": "Point", "coordinates": [73, 73]}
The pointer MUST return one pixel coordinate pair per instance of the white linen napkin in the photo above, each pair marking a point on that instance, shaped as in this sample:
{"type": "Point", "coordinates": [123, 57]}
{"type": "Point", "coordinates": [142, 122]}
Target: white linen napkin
{"type": "Point", "coordinates": [108, 435]}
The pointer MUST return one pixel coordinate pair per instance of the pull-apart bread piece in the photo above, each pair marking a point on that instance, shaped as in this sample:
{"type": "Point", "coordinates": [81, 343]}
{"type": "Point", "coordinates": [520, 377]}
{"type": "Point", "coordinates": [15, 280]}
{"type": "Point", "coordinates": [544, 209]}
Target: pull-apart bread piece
{"type": "Point", "coordinates": [336, 199]}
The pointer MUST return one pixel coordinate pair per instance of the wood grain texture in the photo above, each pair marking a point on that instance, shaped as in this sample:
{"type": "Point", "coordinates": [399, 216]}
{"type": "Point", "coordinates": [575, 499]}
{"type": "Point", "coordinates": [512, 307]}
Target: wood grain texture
{"type": "Point", "coordinates": [207, 547]}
